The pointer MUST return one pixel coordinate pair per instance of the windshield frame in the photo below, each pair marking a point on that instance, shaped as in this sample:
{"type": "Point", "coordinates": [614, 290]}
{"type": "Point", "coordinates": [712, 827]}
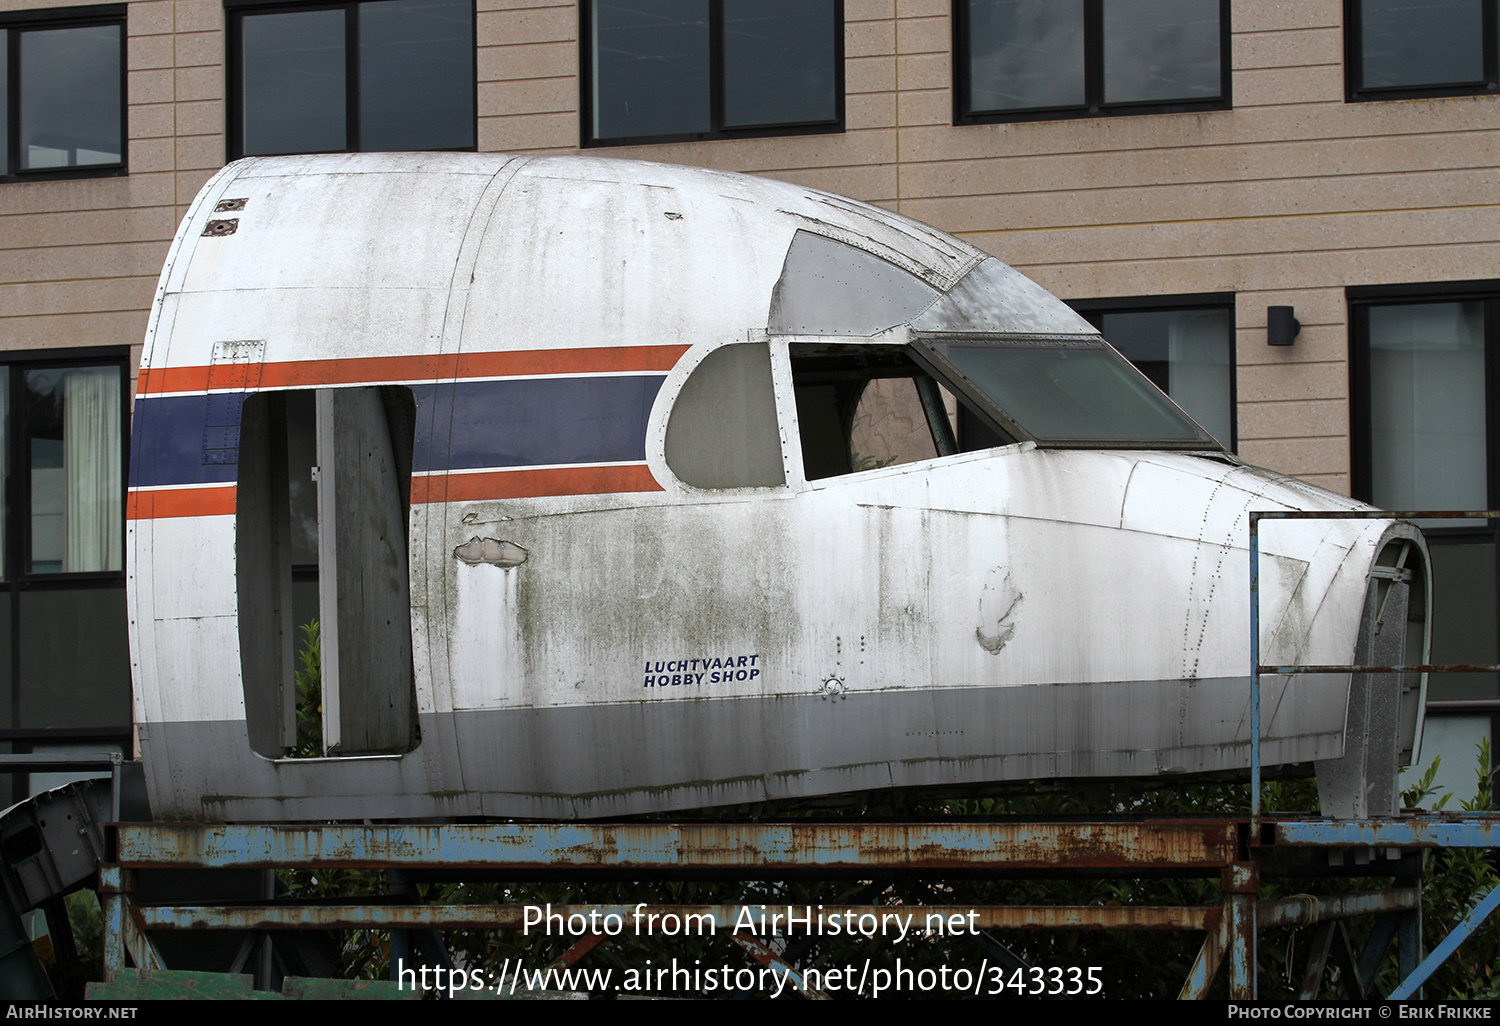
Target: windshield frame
{"type": "Point", "coordinates": [927, 349]}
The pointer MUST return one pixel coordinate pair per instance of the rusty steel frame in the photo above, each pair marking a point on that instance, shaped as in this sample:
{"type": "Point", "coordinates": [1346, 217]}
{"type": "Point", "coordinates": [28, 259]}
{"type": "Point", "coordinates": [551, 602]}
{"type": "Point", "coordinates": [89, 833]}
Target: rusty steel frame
{"type": "Point", "coordinates": [1203, 847]}
{"type": "Point", "coordinates": [1472, 831]}
{"type": "Point", "coordinates": [667, 917]}
{"type": "Point", "coordinates": [852, 849]}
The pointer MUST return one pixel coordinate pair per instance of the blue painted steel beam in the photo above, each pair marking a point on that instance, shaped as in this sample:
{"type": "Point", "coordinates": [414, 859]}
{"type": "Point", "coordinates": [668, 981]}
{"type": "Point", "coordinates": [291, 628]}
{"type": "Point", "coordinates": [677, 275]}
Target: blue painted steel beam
{"type": "Point", "coordinates": [1447, 947]}
{"type": "Point", "coordinates": [1416, 832]}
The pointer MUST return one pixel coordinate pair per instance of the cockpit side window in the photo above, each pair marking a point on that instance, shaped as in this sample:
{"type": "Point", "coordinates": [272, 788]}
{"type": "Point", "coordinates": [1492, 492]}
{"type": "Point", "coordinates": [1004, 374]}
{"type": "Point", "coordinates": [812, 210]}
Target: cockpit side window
{"type": "Point", "coordinates": [830, 288]}
{"type": "Point", "coordinates": [723, 432]}
{"type": "Point", "coordinates": [865, 407]}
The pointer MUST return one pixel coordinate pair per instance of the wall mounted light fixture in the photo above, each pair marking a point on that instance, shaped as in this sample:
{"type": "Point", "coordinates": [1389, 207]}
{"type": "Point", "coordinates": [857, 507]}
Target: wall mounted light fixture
{"type": "Point", "coordinates": [1281, 326]}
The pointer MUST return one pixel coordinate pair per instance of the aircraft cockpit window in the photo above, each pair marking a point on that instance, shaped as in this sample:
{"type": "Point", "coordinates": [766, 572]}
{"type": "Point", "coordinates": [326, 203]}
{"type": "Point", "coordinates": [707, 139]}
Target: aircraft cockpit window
{"type": "Point", "coordinates": [324, 489]}
{"type": "Point", "coordinates": [1064, 391]}
{"type": "Point", "coordinates": [830, 288]}
{"type": "Point", "coordinates": [866, 407]}
{"type": "Point", "coordinates": [722, 432]}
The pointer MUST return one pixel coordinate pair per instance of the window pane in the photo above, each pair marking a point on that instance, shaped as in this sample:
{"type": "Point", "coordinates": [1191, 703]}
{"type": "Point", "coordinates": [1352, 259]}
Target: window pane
{"type": "Point", "coordinates": [70, 97]}
{"type": "Point", "coordinates": [4, 105]}
{"type": "Point", "coordinates": [1421, 42]}
{"type": "Point", "coordinates": [5, 527]}
{"type": "Point", "coordinates": [829, 288]}
{"type": "Point", "coordinates": [74, 439]}
{"type": "Point", "coordinates": [6, 684]}
{"type": "Point", "coordinates": [650, 68]}
{"type": "Point", "coordinates": [723, 432]}
{"type": "Point", "coordinates": [49, 491]}
{"type": "Point", "coordinates": [1455, 740]}
{"type": "Point", "coordinates": [302, 457]}
{"type": "Point", "coordinates": [779, 62]}
{"type": "Point", "coordinates": [1463, 581]}
{"type": "Point", "coordinates": [67, 681]}
{"type": "Point", "coordinates": [1427, 416]}
{"type": "Point", "coordinates": [866, 407]}
{"type": "Point", "coordinates": [1025, 53]}
{"type": "Point", "coordinates": [1186, 354]}
{"type": "Point", "coordinates": [416, 75]}
{"type": "Point", "coordinates": [889, 427]}
{"type": "Point", "coordinates": [292, 82]}
{"type": "Point", "coordinates": [1069, 392]}
{"type": "Point", "coordinates": [1161, 50]}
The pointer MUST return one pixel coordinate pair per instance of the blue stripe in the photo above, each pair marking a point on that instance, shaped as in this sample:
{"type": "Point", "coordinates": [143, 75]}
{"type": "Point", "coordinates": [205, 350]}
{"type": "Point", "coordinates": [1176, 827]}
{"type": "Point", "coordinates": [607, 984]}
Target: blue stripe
{"type": "Point", "coordinates": [545, 421]}
{"type": "Point", "coordinates": [168, 435]}
{"type": "Point", "coordinates": [194, 439]}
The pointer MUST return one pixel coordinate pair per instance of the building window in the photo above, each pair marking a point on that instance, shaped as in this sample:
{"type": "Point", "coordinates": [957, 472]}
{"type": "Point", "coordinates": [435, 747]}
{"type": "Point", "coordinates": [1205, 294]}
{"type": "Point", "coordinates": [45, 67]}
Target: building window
{"type": "Point", "coordinates": [64, 657]}
{"type": "Point", "coordinates": [62, 94]}
{"type": "Point", "coordinates": [669, 70]}
{"type": "Point", "coordinates": [1399, 49]}
{"type": "Point", "coordinates": [378, 76]}
{"type": "Point", "coordinates": [1422, 359]}
{"type": "Point", "coordinates": [1184, 344]}
{"type": "Point", "coordinates": [1031, 60]}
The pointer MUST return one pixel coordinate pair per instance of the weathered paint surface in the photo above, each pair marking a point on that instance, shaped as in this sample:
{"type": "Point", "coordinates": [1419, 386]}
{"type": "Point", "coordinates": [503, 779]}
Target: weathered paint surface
{"type": "Point", "coordinates": [825, 919]}
{"type": "Point", "coordinates": [766, 847]}
{"type": "Point", "coordinates": [593, 637]}
{"type": "Point", "coordinates": [1470, 831]}
{"type": "Point", "coordinates": [1471, 922]}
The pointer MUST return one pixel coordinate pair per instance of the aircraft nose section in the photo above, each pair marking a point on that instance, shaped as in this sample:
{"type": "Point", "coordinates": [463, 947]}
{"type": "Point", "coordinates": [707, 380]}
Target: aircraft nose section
{"type": "Point", "coordinates": [1332, 591]}
{"type": "Point", "coordinates": [1339, 590]}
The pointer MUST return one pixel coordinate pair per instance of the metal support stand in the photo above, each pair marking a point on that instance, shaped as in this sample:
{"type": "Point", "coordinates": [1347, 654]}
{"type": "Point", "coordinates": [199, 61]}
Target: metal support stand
{"type": "Point", "coordinates": [1412, 980]}
{"type": "Point", "coordinates": [905, 851]}
{"type": "Point", "coordinates": [1241, 888]}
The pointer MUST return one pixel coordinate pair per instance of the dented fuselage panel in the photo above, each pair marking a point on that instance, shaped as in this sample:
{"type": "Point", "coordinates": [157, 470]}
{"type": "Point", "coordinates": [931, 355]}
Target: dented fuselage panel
{"type": "Point", "coordinates": [617, 488]}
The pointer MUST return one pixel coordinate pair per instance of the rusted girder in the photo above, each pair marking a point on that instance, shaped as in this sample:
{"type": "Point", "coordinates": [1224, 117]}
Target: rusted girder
{"type": "Point", "coordinates": [672, 920]}
{"type": "Point", "coordinates": [855, 848]}
{"type": "Point", "coordinates": [1305, 909]}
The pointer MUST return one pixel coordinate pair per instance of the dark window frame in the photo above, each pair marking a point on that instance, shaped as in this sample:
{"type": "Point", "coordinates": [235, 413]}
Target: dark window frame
{"type": "Point", "coordinates": [1360, 300]}
{"type": "Point", "coordinates": [234, 12]}
{"type": "Point", "coordinates": [1354, 62]}
{"type": "Point", "coordinates": [1092, 309]}
{"type": "Point", "coordinates": [18, 579]}
{"type": "Point", "coordinates": [716, 88]}
{"type": "Point", "coordinates": [1093, 60]}
{"type": "Point", "coordinates": [14, 24]}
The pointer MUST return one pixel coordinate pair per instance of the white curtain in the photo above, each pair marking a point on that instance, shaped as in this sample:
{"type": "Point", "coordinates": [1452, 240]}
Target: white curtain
{"type": "Point", "coordinates": [1198, 347]}
{"type": "Point", "coordinates": [91, 464]}
{"type": "Point", "coordinates": [1427, 415]}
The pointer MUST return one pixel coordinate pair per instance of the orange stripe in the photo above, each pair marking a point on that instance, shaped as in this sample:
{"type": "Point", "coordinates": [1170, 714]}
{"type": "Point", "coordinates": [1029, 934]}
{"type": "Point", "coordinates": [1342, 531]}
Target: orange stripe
{"type": "Point", "coordinates": [311, 373]}
{"type": "Point", "coordinates": [161, 503]}
{"type": "Point", "coordinates": [570, 361]}
{"type": "Point", "coordinates": [525, 484]}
